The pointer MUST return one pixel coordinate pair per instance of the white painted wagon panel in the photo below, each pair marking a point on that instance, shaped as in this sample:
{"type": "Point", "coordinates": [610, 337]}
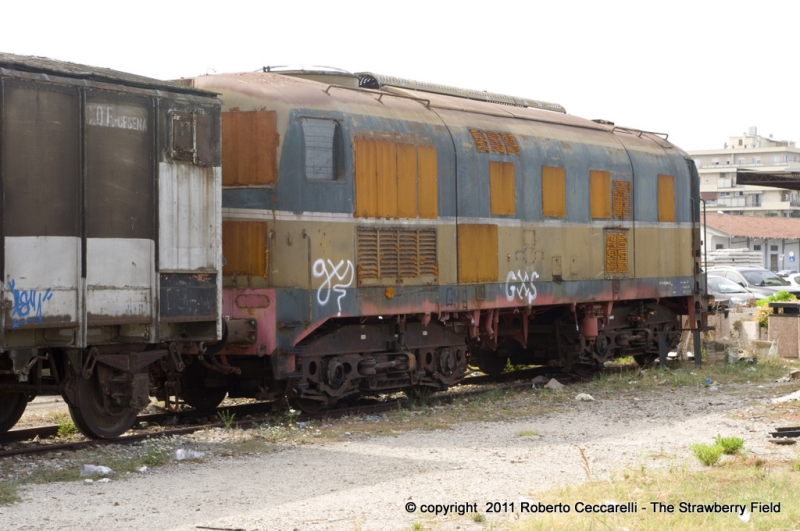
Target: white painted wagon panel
{"type": "Point", "coordinates": [189, 217]}
{"type": "Point", "coordinates": [119, 279]}
{"type": "Point", "coordinates": [42, 279]}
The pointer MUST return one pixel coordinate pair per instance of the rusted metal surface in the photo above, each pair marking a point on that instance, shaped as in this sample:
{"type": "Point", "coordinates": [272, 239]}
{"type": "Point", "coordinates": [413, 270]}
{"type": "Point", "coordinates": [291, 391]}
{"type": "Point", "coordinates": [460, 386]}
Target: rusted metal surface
{"type": "Point", "coordinates": [616, 252]}
{"type": "Point", "coordinates": [621, 200]}
{"type": "Point", "coordinates": [249, 148]}
{"type": "Point", "coordinates": [245, 248]}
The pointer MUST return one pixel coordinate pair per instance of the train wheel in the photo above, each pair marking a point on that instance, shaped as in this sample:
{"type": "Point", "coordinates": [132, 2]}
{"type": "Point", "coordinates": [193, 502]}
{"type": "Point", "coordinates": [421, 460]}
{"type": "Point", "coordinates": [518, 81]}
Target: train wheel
{"type": "Point", "coordinates": [194, 393]}
{"type": "Point", "coordinates": [12, 406]}
{"type": "Point", "coordinates": [95, 414]}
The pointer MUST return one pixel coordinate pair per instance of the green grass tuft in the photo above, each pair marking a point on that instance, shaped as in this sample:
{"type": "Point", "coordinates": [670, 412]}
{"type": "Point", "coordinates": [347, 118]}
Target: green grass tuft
{"type": "Point", "coordinates": [730, 445]}
{"type": "Point", "coordinates": [707, 454]}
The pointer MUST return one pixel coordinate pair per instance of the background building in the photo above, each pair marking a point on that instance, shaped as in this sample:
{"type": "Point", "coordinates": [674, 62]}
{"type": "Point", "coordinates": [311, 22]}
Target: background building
{"type": "Point", "coordinates": [777, 239]}
{"type": "Point", "coordinates": [717, 168]}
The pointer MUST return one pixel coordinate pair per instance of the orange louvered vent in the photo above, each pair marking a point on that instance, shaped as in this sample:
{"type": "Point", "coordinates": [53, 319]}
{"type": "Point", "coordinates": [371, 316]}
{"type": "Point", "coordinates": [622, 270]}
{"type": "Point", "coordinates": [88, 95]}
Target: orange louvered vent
{"type": "Point", "coordinates": [616, 253]}
{"type": "Point", "coordinates": [496, 142]}
{"type": "Point", "coordinates": [621, 199]}
{"type": "Point", "coordinates": [390, 254]}
{"type": "Point", "coordinates": [511, 144]}
{"type": "Point", "coordinates": [481, 144]}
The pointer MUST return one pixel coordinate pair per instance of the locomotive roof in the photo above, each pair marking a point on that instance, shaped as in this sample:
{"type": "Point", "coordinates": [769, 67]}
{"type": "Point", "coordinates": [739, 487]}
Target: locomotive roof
{"type": "Point", "coordinates": [45, 65]}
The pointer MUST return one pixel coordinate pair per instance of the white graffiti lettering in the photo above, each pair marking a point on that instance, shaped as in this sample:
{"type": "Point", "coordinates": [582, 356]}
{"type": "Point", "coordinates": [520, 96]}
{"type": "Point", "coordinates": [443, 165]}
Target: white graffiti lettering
{"type": "Point", "coordinates": [343, 273]}
{"type": "Point", "coordinates": [117, 116]}
{"type": "Point", "coordinates": [519, 285]}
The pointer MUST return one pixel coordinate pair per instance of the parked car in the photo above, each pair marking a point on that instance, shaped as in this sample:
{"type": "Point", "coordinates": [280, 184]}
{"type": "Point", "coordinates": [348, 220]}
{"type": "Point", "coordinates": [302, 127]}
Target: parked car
{"type": "Point", "coordinates": [724, 289]}
{"type": "Point", "coordinates": [794, 279]}
{"type": "Point", "coordinates": [787, 272]}
{"type": "Point", "coordinates": [758, 280]}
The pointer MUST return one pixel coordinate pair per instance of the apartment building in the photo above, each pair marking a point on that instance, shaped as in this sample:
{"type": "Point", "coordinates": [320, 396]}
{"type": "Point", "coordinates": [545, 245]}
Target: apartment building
{"type": "Point", "coordinates": [717, 168]}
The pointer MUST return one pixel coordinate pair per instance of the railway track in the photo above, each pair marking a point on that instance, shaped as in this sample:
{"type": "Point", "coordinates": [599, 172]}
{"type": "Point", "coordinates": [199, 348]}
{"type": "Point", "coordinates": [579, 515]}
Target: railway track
{"type": "Point", "coordinates": [260, 411]}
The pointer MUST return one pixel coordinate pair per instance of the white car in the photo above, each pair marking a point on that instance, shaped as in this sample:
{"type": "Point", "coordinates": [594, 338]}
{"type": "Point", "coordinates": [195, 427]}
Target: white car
{"type": "Point", "coordinates": [724, 289]}
{"type": "Point", "coordinates": [794, 279]}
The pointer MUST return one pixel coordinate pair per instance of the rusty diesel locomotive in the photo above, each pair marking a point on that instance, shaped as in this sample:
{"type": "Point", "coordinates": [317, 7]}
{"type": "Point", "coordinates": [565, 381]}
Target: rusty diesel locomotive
{"type": "Point", "coordinates": [111, 225]}
{"type": "Point", "coordinates": [383, 234]}
{"type": "Point", "coordinates": [376, 234]}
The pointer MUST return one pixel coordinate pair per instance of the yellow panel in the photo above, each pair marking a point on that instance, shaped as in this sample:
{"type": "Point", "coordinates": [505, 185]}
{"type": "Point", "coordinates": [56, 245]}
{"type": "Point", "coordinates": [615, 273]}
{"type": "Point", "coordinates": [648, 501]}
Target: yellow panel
{"type": "Point", "coordinates": [386, 164]}
{"type": "Point", "coordinates": [554, 203]}
{"type": "Point", "coordinates": [502, 194]}
{"type": "Point", "coordinates": [428, 191]}
{"type": "Point", "coordinates": [666, 198]}
{"type": "Point", "coordinates": [249, 148]}
{"type": "Point", "coordinates": [600, 194]}
{"type": "Point", "coordinates": [477, 253]}
{"type": "Point", "coordinates": [406, 181]}
{"type": "Point", "coordinates": [244, 246]}
{"type": "Point", "coordinates": [366, 177]}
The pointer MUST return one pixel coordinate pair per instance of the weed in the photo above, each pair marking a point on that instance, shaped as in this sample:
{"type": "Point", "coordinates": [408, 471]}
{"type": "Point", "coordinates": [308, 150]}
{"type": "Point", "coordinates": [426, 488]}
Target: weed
{"type": "Point", "coordinates": [730, 445]}
{"type": "Point", "coordinates": [527, 433]}
{"type": "Point", "coordinates": [416, 526]}
{"type": "Point", "coordinates": [479, 517]}
{"type": "Point", "coordinates": [8, 493]}
{"type": "Point", "coordinates": [585, 464]}
{"type": "Point", "coordinates": [157, 452]}
{"type": "Point", "coordinates": [227, 418]}
{"type": "Point", "coordinates": [65, 425]}
{"type": "Point", "coordinates": [707, 454]}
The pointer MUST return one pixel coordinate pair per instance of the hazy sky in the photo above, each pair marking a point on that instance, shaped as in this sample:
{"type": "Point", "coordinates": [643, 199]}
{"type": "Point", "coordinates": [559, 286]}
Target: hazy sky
{"type": "Point", "coordinates": [698, 70]}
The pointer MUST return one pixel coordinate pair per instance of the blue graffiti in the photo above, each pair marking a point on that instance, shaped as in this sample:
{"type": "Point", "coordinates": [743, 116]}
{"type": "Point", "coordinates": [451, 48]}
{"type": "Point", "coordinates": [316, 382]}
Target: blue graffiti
{"type": "Point", "coordinates": [27, 306]}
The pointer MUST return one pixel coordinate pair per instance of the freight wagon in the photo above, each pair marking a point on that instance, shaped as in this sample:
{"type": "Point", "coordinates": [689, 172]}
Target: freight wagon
{"type": "Point", "coordinates": [109, 237]}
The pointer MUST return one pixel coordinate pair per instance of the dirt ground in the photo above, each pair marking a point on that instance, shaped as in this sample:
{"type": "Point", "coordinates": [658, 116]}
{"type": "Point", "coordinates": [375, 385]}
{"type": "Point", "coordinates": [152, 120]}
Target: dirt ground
{"type": "Point", "coordinates": [366, 481]}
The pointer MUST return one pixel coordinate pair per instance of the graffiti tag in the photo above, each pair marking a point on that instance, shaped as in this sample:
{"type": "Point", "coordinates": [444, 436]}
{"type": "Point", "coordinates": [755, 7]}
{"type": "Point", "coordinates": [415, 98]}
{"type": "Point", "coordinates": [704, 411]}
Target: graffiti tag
{"type": "Point", "coordinates": [342, 274]}
{"type": "Point", "coordinates": [519, 285]}
{"type": "Point", "coordinates": [27, 306]}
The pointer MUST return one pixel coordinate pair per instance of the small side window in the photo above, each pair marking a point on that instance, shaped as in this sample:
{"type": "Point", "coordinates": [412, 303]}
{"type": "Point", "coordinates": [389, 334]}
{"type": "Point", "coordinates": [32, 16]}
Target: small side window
{"type": "Point", "coordinates": [323, 146]}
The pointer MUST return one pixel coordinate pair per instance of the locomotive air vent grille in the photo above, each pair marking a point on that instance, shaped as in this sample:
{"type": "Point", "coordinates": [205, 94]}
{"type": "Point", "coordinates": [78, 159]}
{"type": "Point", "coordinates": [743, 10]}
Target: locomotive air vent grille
{"type": "Point", "coordinates": [616, 253]}
{"type": "Point", "coordinates": [481, 144]}
{"type": "Point", "coordinates": [392, 254]}
{"type": "Point", "coordinates": [621, 199]}
{"type": "Point", "coordinates": [496, 141]}
{"type": "Point", "coordinates": [427, 253]}
{"type": "Point", "coordinates": [511, 143]}
{"type": "Point", "coordinates": [368, 254]}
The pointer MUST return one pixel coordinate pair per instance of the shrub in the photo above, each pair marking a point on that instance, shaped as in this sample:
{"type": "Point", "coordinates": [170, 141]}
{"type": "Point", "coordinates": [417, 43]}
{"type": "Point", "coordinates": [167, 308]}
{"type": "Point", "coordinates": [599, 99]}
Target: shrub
{"type": "Point", "coordinates": [707, 454]}
{"type": "Point", "coordinates": [730, 445]}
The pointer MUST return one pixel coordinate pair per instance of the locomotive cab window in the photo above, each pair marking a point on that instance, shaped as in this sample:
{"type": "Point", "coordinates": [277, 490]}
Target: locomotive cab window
{"type": "Point", "coordinates": [323, 149]}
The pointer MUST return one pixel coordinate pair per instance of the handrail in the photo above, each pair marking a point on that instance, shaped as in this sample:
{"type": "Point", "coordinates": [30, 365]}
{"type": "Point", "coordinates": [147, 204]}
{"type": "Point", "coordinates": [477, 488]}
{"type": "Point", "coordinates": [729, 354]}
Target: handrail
{"type": "Point", "coordinates": [379, 93]}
